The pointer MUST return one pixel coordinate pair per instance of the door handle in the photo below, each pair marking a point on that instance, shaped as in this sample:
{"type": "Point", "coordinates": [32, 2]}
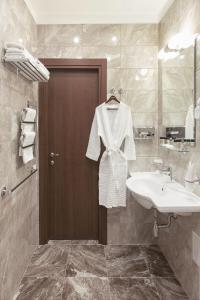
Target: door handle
{"type": "Point", "coordinates": [54, 154]}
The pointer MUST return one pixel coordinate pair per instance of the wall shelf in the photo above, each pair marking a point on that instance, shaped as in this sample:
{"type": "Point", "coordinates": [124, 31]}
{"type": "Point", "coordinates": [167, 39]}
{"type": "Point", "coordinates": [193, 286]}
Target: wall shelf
{"type": "Point", "coordinates": [27, 66]}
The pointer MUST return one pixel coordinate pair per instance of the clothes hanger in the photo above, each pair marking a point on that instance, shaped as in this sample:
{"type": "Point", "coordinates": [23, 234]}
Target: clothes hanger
{"type": "Point", "coordinates": [112, 98]}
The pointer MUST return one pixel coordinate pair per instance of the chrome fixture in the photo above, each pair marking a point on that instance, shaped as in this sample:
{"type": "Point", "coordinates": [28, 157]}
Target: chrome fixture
{"type": "Point", "coordinates": [167, 170]}
{"type": "Point", "coordinates": [195, 180]}
{"type": "Point", "coordinates": [4, 192]}
{"type": "Point", "coordinates": [54, 154]}
{"type": "Point", "coordinates": [158, 226]}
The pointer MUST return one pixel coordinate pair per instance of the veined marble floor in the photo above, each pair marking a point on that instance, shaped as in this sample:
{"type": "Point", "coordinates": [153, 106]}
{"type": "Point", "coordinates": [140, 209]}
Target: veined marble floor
{"type": "Point", "coordinates": [88, 271]}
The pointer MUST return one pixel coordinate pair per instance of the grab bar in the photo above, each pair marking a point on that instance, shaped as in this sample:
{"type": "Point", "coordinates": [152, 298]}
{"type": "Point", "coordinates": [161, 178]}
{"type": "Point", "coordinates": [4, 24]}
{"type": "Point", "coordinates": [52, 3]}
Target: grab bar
{"type": "Point", "coordinates": [5, 190]}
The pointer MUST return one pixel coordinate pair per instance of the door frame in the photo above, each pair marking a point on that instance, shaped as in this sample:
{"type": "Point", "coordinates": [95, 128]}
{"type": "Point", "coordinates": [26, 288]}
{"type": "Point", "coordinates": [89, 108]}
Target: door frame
{"type": "Point", "coordinates": [56, 63]}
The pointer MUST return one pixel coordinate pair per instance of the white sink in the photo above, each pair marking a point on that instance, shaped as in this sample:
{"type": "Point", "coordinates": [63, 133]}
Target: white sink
{"type": "Point", "coordinates": [152, 189]}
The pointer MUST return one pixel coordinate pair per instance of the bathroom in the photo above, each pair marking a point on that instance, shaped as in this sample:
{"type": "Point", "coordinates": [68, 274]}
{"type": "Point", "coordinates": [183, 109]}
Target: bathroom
{"type": "Point", "coordinates": [58, 239]}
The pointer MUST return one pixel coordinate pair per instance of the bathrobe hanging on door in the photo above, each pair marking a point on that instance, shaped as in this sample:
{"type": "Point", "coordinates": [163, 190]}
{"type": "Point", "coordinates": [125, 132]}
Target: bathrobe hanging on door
{"type": "Point", "coordinates": [115, 129]}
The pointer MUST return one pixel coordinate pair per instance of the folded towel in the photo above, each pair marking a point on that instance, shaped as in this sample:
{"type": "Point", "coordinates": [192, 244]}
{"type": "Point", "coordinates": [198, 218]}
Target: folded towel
{"type": "Point", "coordinates": [28, 115]}
{"type": "Point", "coordinates": [27, 127]}
{"type": "Point", "coordinates": [27, 154]}
{"type": "Point", "coordinates": [14, 45]}
{"type": "Point", "coordinates": [27, 138]}
{"type": "Point", "coordinates": [18, 55]}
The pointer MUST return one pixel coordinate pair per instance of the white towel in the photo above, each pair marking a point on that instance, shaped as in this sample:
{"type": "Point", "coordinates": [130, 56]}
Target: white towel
{"type": "Point", "coordinates": [189, 123]}
{"type": "Point", "coordinates": [27, 138]}
{"type": "Point", "coordinates": [27, 127]}
{"type": "Point", "coordinates": [14, 45]}
{"type": "Point", "coordinates": [42, 68]}
{"type": "Point", "coordinates": [28, 115]}
{"type": "Point", "coordinates": [27, 154]}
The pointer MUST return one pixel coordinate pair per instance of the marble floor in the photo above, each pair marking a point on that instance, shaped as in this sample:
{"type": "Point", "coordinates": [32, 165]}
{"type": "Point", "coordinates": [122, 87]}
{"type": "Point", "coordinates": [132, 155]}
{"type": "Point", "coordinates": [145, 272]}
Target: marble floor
{"type": "Point", "coordinates": [88, 271]}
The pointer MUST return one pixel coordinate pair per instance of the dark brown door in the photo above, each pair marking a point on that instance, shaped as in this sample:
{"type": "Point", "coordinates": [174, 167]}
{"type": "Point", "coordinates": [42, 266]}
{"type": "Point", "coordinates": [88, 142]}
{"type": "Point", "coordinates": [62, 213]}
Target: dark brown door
{"type": "Point", "coordinates": [69, 100]}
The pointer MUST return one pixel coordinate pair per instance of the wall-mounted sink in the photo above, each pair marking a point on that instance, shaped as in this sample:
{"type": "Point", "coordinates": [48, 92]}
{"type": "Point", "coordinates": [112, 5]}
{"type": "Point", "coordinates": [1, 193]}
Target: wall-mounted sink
{"type": "Point", "coordinates": [152, 189]}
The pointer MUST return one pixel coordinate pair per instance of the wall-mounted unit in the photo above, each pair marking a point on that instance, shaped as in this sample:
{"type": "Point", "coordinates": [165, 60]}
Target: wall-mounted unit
{"type": "Point", "coordinates": [144, 133]}
{"type": "Point", "coordinates": [27, 66]}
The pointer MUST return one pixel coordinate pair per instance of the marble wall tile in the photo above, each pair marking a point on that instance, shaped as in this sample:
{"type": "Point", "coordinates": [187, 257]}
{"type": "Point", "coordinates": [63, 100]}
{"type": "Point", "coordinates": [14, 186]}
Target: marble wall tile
{"type": "Point", "coordinates": [178, 78]}
{"type": "Point", "coordinates": [112, 54]}
{"type": "Point", "coordinates": [139, 34]}
{"type": "Point", "coordinates": [189, 17]}
{"type": "Point", "coordinates": [141, 101]}
{"type": "Point", "coordinates": [143, 164]}
{"type": "Point", "coordinates": [147, 147]}
{"type": "Point", "coordinates": [139, 57]}
{"type": "Point", "coordinates": [144, 119]}
{"type": "Point", "coordinates": [58, 35]}
{"type": "Point", "coordinates": [18, 211]}
{"type": "Point", "coordinates": [59, 52]}
{"type": "Point", "coordinates": [177, 100]}
{"type": "Point", "coordinates": [113, 79]}
{"type": "Point", "coordinates": [185, 59]}
{"type": "Point", "coordinates": [5, 158]}
{"type": "Point", "coordinates": [133, 79]}
{"type": "Point", "coordinates": [174, 119]}
{"type": "Point", "coordinates": [101, 35]}
{"type": "Point", "coordinates": [17, 223]}
{"type": "Point", "coordinates": [176, 242]}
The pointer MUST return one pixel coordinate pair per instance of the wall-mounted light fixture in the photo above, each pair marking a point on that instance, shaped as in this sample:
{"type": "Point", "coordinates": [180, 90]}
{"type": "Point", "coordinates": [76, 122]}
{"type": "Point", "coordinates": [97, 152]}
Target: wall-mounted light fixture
{"type": "Point", "coordinates": [176, 45]}
{"type": "Point", "coordinates": [166, 54]}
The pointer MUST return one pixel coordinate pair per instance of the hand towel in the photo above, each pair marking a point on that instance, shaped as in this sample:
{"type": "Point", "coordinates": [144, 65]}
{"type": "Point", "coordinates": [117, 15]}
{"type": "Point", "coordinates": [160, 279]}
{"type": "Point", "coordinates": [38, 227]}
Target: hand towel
{"type": "Point", "coordinates": [27, 138]}
{"type": "Point", "coordinates": [28, 115]}
{"type": "Point", "coordinates": [25, 127]}
{"type": "Point", "coordinates": [14, 45]}
{"type": "Point", "coordinates": [189, 123]}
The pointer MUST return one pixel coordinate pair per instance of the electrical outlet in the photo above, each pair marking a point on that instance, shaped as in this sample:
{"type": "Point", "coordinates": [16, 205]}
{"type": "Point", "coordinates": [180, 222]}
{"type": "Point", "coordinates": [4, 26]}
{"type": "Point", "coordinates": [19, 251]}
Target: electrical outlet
{"type": "Point", "coordinates": [196, 248]}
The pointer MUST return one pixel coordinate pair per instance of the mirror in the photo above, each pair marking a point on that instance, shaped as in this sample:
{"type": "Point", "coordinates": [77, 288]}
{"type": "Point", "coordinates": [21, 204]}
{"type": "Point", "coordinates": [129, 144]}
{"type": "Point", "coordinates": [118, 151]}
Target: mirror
{"type": "Point", "coordinates": [178, 92]}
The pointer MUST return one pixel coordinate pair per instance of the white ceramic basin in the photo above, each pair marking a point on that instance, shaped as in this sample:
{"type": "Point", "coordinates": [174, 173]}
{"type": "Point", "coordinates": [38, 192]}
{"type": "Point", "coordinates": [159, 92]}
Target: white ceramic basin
{"type": "Point", "coordinates": [152, 189]}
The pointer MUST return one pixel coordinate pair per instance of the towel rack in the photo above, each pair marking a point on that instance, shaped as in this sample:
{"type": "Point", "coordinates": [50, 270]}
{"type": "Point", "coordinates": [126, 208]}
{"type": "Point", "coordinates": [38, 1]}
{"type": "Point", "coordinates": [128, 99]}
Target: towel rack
{"type": "Point", "coordinates": [34, 123]}
{"type": "Point", "coordinates": [30, 68]}
{"type": "Point", "coordinates": [5, 191]}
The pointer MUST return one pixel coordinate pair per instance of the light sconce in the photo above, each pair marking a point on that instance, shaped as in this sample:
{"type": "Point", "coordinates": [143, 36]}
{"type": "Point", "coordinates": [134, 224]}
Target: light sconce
{"type": "Point", "coordinates": [176, 44]}
{"type": "Point", "coordinates": [181, 41]}
{"type": "Point", "coordinates": [166, 54]}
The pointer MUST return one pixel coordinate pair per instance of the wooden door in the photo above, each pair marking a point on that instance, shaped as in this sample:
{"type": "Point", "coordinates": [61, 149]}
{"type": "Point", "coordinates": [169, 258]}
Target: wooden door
{"type": "Point", "coordinates": [69, 208]}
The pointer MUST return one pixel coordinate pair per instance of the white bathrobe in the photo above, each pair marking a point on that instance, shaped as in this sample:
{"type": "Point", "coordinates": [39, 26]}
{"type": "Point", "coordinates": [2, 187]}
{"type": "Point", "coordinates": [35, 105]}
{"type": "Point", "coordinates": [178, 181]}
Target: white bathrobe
{"type": "Point", "coordinates": [115, 129]}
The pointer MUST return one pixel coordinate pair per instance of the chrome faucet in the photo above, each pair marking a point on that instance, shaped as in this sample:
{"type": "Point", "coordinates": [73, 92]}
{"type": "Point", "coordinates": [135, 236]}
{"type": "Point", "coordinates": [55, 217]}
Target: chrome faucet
{"type": "Point", "coordinates": [168, 171]}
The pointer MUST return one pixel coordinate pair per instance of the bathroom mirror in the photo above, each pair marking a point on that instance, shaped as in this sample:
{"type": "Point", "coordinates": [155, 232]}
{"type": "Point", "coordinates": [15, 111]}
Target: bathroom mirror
{"type": "Point", "coordinates": [178, 92]}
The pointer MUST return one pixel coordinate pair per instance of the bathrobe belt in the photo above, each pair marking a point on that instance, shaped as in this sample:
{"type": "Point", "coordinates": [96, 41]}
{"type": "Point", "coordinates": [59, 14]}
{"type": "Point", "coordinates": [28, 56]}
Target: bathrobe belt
{"type": "Point", "coordinates": [108, 152]}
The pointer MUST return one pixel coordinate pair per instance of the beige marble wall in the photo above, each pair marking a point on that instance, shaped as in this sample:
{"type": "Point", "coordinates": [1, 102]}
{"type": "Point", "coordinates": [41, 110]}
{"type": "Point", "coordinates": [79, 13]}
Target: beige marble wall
{"type": "Point", "coordinates": [176, 242]}
{"type": "Point", "coordinates": [19, 211]}
{"type": "Point", "coordinates": [132, 65]}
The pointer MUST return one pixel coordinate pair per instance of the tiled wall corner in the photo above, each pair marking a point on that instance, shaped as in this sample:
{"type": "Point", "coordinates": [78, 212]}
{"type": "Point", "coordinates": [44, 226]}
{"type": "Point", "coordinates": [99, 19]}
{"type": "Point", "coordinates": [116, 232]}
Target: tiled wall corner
{"type": "Point", "coordinates": [19, 211]}
{"type": "Point", "coordinates": [176, 242]}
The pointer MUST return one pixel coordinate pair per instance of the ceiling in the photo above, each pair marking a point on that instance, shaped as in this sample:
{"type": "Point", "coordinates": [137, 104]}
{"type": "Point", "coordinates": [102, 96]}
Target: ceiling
{"type": "Point", "coordinates": [95, 11]}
